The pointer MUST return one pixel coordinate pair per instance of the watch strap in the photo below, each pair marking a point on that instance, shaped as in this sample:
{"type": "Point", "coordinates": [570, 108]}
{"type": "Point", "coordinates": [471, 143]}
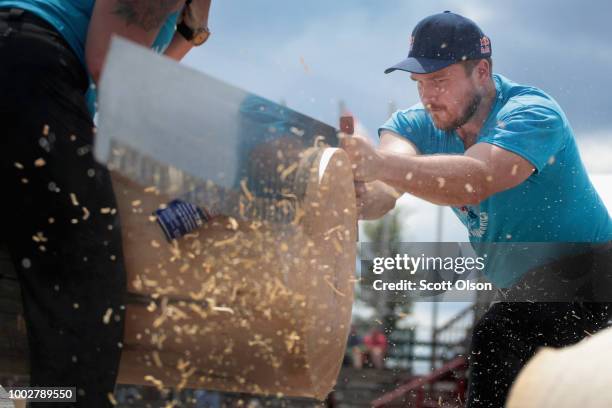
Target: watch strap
{"type": "Point", "coordinates": [184, 30]}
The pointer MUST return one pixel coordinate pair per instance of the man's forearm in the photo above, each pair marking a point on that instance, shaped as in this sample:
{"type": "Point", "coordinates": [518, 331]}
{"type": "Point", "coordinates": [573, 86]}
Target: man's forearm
{"type": "Point", "coordinates": [375, 199]}
{"type": "Point", "coordinates": [178, 48]}
{"type": "Point", "coordinates": [441, 179]}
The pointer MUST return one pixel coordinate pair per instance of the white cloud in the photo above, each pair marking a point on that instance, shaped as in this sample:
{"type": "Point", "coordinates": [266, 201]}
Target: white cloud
{"type": "Point", "coordinates": [603, 185]}
{"type": "Point", "coordinates": [480, 12]}
{"type": "Point", "coordinates": [596, 151]}
{"type": "Point", "coordinates": [421, 219]}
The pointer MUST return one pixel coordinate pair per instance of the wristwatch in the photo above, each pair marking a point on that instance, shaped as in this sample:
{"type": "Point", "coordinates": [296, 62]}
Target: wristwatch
{"type": "Point", "coordinates": [197, 37]}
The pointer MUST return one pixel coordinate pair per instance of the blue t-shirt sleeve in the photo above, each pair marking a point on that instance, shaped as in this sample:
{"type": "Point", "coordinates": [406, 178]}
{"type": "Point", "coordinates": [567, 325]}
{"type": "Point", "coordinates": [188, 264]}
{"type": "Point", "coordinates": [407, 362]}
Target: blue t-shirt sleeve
{"type": "Point", "coordinates": [535, 133]}
{"type": "Point", "coordinates": [166, 32]}
{"type": "Point", "coordinates": [409, 124]}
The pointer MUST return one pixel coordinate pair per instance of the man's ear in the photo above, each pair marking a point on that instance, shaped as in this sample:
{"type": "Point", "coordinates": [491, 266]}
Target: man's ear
{"type": "Point", "coordinates": [481, 69]}
{"type": "Point", "coordinates": [484, 69]}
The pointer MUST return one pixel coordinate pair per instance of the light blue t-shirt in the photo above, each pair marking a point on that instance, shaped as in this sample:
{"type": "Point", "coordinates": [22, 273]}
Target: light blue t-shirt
{"type": "Point", "coordinates": [71, 19]}
{"type": "Point", "coordinates": [556, 204]}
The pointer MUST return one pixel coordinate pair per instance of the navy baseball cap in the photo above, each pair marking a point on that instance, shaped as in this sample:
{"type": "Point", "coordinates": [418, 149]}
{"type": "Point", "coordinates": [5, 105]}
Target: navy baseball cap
{"type": "Point", "coordinates": [442, 40]}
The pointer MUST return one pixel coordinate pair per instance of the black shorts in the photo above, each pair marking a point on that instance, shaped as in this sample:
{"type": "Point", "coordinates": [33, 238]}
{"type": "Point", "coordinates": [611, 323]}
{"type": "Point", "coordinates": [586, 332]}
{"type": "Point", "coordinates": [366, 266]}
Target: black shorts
{"type": "Point", "coordinates": [67, 254]}
{"type": "Point", "coordinates": [511, 332]}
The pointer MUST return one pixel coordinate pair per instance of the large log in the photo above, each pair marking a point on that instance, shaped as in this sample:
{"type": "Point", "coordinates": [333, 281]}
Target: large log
{"type": "Point", "coordinates": [244, 306]}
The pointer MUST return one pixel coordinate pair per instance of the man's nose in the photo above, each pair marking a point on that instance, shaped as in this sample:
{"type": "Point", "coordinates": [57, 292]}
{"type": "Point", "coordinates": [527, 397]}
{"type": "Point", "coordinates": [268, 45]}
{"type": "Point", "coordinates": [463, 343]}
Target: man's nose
{"type": "Point", "coordinates": [429, 95]}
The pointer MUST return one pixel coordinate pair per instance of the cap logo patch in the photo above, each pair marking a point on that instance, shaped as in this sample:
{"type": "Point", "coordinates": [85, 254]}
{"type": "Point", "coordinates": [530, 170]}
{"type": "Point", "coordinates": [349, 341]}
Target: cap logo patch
{"type": "Point", "coordinates": [485, 45]}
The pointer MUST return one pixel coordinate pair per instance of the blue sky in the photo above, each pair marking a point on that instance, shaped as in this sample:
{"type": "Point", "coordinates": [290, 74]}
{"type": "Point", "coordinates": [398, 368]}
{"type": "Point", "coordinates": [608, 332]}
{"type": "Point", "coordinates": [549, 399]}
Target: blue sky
{"type": "Point", "coordinates": [314, 53]}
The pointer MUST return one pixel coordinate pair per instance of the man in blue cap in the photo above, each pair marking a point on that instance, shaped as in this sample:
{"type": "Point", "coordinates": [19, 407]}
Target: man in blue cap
{"type": "Point", "coordinates": [504, 157]}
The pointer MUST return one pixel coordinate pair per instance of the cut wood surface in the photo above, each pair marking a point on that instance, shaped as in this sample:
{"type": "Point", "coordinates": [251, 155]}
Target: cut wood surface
{"type": "Point", "coordinates": [243, 305]}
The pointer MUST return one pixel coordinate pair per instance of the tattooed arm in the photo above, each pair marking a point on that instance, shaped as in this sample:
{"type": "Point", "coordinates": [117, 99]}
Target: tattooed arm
{"type": "Point", "coordinates": [146, 14]}
{"type": "Point", "coordinates": [194, 15]}
{"type": "Point", "coordinates": [136, 20]}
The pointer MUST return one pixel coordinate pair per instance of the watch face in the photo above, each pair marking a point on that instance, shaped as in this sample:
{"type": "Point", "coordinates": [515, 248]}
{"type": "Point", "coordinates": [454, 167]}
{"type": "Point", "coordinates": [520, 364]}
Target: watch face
{"type": "Point", "coordinates": [201, 36]}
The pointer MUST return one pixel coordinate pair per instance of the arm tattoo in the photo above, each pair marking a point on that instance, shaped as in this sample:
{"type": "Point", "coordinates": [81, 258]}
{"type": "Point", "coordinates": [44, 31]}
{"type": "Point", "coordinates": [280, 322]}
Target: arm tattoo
{"type": "Point", "coordinates": [147, 14]}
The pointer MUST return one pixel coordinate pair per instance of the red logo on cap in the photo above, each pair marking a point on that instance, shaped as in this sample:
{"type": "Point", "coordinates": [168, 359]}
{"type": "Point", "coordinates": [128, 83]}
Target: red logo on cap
{"type": "Point", "coordinates": [485, 45]}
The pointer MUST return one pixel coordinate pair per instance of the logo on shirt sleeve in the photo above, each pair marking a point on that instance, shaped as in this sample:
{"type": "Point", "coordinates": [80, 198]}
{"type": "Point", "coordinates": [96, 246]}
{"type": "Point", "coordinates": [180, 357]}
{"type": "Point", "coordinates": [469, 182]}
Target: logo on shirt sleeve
{"type": "Point", "coordinates": [475, 221]}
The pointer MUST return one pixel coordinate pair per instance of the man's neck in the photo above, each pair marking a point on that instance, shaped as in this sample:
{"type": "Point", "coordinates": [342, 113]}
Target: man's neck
{"type": "Point", "coordinates": [469, 132]}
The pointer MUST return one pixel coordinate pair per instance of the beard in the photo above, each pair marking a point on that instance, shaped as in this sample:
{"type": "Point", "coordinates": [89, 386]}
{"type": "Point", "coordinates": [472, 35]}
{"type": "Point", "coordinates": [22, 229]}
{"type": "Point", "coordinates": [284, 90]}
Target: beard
{"type": "Point", "coordinates": [467, 114]}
